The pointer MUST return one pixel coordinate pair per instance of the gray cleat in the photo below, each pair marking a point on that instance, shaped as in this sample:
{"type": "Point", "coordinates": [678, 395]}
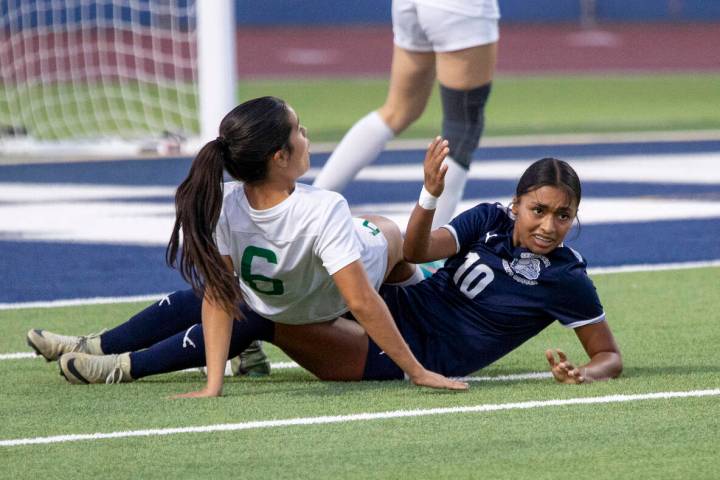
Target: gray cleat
{"type": "Point", "coordinates": [79, 368]}
{"type": "Point", "coordinates": [252, 362]}
{"type": "Point", "coordinates": [51, 345]}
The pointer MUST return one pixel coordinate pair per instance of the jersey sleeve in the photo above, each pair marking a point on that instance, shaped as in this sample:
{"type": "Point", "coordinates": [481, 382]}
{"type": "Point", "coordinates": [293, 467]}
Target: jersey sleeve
{"type": "Point", "coordinates": [222, 234]}
{"type": "Point", "coordinates": [470, 225]}
{"type": "Point", "coordinates": [336, 245]}
{"type": "Point", "coordinates": [576, 302]}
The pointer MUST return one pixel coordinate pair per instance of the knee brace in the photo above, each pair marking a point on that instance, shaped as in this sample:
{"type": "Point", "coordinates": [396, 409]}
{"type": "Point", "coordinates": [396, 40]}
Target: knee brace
{"type": "Point", "coordinates": [463, 120]}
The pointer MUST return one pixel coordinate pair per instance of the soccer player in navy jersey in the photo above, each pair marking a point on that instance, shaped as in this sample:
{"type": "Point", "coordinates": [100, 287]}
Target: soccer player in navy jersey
{"type": "Point", "coordinates": [507, 277]}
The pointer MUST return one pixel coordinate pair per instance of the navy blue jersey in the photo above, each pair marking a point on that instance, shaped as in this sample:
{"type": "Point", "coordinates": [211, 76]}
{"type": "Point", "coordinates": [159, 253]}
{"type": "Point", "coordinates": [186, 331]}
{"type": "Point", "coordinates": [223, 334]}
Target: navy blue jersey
{"type": "Point", "coordinates": [490, 297]}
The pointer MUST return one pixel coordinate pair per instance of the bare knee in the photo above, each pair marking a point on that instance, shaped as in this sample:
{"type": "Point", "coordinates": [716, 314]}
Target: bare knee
{"type": "Point", "coordinates": [399, 118]}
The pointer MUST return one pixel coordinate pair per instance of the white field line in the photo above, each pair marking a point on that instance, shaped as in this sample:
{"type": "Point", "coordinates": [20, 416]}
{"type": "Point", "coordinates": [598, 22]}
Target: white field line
{"type": "Point", "coordinates": [17, 356]}
{"type": "Point", "coordinates": [324, 420]}
{"type": "Point", "coordinates": [73, 302]}
{"type": "Point", "coordinates": [288, 365]}
{"type": "Point", "coordinates": [653, 267]}
{"type": "Point", "coordinates": [675, 168]}
{"type": "Point", "coordinates": [508, 378]}
{"type": "Point", "coordinates": [30, 355]}
{"type": "Point", "coordinates": [152, 297]}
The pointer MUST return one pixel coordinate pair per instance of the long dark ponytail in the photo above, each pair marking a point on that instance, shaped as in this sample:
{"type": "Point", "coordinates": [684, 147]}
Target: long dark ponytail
{"type": "Point", "coordinates": [249, 135]}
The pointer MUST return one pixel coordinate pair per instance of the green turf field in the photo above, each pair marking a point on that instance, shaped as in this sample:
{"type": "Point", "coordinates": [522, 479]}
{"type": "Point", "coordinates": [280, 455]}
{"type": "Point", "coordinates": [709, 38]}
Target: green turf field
{"type": "Point", "coordinates": [660, 320]}
{"type": "Point", "coordinates": [518, 105]}
{"type": "Point", "coordinates": [521, 105]}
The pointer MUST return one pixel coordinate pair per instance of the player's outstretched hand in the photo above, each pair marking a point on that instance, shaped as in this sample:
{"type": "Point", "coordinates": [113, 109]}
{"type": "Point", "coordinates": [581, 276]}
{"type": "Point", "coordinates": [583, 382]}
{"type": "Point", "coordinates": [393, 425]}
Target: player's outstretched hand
{"type": "Point", "coordinates": [204, 393]}
{"type": "Point", "coordinates": [435, 380]}
{"type": "Point", "coordinates": [563, 370]}
{"type": "Point", "coordinates": [434, 167]}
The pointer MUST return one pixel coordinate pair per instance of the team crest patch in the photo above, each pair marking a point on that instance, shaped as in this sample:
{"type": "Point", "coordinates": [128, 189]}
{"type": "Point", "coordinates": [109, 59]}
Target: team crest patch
{"type": "Point", "coordinates": [527, 268]}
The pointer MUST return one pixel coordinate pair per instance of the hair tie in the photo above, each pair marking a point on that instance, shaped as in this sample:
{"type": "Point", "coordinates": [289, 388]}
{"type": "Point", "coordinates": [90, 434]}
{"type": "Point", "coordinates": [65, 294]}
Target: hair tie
{"type": "Point", "coordinates": [221, 140]}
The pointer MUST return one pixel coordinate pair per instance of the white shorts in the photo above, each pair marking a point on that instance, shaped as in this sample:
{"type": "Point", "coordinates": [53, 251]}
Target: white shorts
{"type": "Point", "coordinates": [421, 28]}
{"type": "Point", "coordinates": [374, 254]}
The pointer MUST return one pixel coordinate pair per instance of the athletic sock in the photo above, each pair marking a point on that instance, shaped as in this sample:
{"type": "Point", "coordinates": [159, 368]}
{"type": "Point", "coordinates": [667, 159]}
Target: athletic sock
{"type": "Point", "coordinates": [187, 349]}
{"type": "Point", "coordinates": [360, 146]}
{"type": "Point", "coordinates": [417, 277]}
{"type": "Point", "coordinates": [172, 314]}
{"type": "Point", "coordinates": [455, 179]}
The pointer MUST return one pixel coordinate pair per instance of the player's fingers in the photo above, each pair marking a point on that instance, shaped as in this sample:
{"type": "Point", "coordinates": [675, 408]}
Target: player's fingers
{"type": "Point", "coordinates": [431, 148]}
{"type": "Point", "coordinates": [443, 171]}
{"type": "Point", "coordinates": [439, 152]}
{"type": "Point", "coordinates": [550, 357]}
{"type": "Point", "coordinates": [561, 355]}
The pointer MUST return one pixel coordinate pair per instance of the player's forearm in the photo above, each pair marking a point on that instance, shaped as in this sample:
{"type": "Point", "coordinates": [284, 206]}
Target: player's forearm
{"type": "Point", "coordinates": [377, 321]}
{"type": "Point", "coordinates": [417, 237]}
{"type": "Point", "coordinates": [602, 366]}
{"type": "Point", "coordinates": [217, 329]}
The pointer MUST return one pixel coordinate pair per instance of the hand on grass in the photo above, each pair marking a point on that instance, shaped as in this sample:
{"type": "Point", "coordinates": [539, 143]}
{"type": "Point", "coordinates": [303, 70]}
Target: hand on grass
{"type": "Point", "coordinates": [204, 393]}
{"type": "Point", "coordinates": [434, 167]}
{"type": "Point", "coordinates": [434, 380]}
{"type": "Point", "coordinates": [563, 370]}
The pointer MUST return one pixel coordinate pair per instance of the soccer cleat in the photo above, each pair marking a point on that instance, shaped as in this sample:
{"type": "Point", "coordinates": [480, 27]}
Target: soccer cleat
{"type": "Point", "coordinates": [51, 345]}
{"type": "Point", "coordinates": [252, 362]}
{"type": "Point", "coordinates": [79, 368]}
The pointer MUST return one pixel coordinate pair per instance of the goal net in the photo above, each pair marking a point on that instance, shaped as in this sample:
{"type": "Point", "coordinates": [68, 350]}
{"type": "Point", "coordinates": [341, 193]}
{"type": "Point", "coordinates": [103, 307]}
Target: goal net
{"type": "Point", "coordinates": [116, 77]}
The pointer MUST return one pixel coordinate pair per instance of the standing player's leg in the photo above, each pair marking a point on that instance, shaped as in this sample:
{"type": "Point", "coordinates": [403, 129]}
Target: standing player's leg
{"type": "Point", "coordinates": [411, 80]}
{"type": "Point", "coordinates": [465, 78]}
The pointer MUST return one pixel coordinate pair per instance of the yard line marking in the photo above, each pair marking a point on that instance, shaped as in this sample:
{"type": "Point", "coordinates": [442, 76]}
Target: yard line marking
{"type": "Point", "coordinates": [73, 302]}
{"type": "Point", "coordinates": [288, 365]}
{"type": "Point", "coordinates": [649, 267]}
{"type": "Point", "coordinates": [358, 417]}
{"type": "Point", "coordinates": [16, 355]}
{"type": "Point", "coordinates": [698, 168]}
{"type": "Point", "coordinates": [505, 378]}
{"type": "Point", "coordinates": [31, 355]}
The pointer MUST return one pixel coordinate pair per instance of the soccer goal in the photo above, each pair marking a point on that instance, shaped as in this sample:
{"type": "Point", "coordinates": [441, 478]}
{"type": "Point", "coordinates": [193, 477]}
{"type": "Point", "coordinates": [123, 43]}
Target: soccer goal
{"type": "Point", "coordinates": [114, 77]}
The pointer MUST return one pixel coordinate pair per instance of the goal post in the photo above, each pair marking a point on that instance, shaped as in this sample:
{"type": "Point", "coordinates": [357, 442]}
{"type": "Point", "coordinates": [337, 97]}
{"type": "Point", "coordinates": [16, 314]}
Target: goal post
{"type": "Point", "coordinates": [114, 77]}
{"type": "Point", "coordinates": [217, 72]}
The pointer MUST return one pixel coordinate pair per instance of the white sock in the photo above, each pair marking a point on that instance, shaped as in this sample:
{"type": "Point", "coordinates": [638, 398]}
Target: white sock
{"type": "Point", "coordinates": [360, 146]}
{"type": "Point", "coordinates": [416, 277]}
{"type": "Point", "coordinates": [452, 194]}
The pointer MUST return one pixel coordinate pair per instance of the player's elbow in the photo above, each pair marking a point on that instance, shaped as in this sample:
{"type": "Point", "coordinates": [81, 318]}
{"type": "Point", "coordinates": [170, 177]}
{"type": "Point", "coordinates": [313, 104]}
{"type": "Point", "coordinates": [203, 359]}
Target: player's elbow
{"type": "Point", "coordinates": [617, 366]}
{"type": "Point", "coordinates": [413, 255]}
{"type": "Point", "coordinates": [361, 299]}
{"type": "Point", "coordinates": [613, 365]}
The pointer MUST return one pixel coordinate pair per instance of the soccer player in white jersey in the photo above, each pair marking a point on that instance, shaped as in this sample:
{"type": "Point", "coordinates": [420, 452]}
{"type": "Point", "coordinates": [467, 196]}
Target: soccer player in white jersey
{"type": "Point", "coordinates": [455, 40]}
{"type": "Point", "coordinates": [299, 258]}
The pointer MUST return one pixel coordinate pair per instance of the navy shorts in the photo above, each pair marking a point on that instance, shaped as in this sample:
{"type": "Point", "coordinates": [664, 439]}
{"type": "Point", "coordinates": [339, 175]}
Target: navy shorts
{"type": "Point", "coordinates": [378, 366]}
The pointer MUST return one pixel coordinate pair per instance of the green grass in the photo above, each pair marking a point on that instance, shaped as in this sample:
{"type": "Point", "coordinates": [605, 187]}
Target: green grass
{"type": "Point", "coordinates": [664, 322]}
{"type": "Point", "coordinates": [518, 105]}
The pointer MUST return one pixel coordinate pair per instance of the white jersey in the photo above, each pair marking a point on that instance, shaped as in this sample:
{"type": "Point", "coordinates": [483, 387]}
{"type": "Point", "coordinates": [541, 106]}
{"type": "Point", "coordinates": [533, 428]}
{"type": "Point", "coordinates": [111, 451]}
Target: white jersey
{"type": "Point", "coordinates": [471, 8]}
{"type": "Point", "coordinates": [284, 256]}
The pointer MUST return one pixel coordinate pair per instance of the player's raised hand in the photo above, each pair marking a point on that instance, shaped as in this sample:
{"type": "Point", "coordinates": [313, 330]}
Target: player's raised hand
{"type": "Point", "coordinates": [434, 167]}
{"type": "Point", "coordinates": [435, 380]}
{"type": "Point", "coordinates": [563, 370]}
